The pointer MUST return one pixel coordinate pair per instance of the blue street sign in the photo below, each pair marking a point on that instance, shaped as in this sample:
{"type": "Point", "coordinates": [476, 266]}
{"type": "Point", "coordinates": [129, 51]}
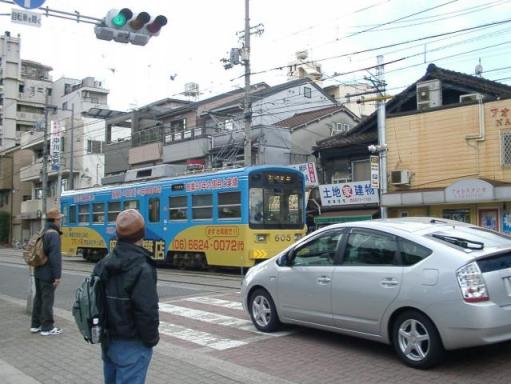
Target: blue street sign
{"type": "Point", "coordinates": [30, 4]}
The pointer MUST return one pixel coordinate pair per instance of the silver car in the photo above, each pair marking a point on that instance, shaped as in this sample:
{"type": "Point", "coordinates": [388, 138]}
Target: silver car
{"type": "Point", "coordinates": [424, 285]}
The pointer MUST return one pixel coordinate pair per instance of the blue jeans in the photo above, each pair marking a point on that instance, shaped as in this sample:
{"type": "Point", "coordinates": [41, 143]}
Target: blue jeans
{"type": "Point", "coordinates": [126, 362]}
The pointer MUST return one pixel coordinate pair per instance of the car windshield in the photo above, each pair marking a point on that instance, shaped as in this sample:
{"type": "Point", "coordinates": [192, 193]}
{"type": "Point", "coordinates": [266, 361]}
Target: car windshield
{"type": "Point", "coordinates": [472, 237]}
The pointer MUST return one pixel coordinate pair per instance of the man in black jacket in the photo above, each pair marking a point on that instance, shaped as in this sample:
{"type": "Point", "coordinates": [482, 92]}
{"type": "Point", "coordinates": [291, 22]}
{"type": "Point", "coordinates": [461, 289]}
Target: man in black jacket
{"type": "Point", "coordinates": [47, 278]}
{"type": "Point", "coordinates": [132, 317]}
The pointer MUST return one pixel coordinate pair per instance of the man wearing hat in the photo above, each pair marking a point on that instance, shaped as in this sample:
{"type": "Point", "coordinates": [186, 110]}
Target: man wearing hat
{"type": "Point", "coordinates": [129, 277]}
{"type": "Point", "coordinates": [47, 278]}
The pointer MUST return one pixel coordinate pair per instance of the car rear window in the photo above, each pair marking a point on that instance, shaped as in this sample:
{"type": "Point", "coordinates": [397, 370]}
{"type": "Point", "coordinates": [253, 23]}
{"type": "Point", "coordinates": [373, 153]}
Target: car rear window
{"type": "Point", "coordinates": [495, 263]}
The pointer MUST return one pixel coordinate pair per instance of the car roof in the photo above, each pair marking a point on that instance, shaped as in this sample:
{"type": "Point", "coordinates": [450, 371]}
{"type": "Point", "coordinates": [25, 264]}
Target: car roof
{"type": "Point", "coordinates": [417, 225]}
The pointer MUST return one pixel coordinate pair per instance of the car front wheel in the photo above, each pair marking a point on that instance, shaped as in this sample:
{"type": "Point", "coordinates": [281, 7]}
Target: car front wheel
{"type": "Point", "coordinates": [416, 340]}
{"type": "Point", "coordinates": [263, 312]}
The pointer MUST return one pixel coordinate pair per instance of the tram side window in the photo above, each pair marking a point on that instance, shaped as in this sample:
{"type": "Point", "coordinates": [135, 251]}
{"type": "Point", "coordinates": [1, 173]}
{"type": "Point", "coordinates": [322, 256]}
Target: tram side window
{"type": "Point", "coordinates": [113, 210]}
{"type": "Point", "coordinates": [202, 207]}
{"type": "Point", "coordinates": [83, 213]}
{"type": "Point", "coordinates": [131, 204]}
{"type": "Point", "coordinates": [98, 213]}
{"type": "Point", "coordinates": [229, 205]}
{"type": "Point", "coordinates": [177, 208]}
{"type": "Point", "coordinates": [72, 214]}
{"type": "Point", "coordinates": [154, 210]}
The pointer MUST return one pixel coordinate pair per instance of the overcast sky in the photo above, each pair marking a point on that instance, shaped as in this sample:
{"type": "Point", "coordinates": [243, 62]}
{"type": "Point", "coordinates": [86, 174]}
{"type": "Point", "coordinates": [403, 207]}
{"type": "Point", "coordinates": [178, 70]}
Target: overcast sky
{"type": "Point", "coordinates": [200, 32]}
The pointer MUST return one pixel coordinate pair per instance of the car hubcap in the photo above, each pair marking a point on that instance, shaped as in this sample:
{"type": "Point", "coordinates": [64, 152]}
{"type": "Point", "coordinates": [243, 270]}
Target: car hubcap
{"type": "Point", "coordinates": [414, 340]}
{"type": "Point", "coordinates": [261, 311]}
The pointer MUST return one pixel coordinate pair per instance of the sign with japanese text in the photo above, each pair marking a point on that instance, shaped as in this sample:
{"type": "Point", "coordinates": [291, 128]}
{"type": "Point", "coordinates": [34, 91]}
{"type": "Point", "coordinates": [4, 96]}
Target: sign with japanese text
{"type": "Point", "coordinates": [309, 171]}
{"type": "Point", "coordinates": [134, 192]}
{"type": "Point", "coordinates": [55, 144]}
{"type": "Point", "coordinates": [207, 185]}
{"type": "Point", "coordinates": [501, 116]}
{"type": "Point", "coordinates": [469, 190]}
{"type": "Point", "coordinates": [26, 17]}
{"type": "Point", "coordinates": [359, 192]}
{"type": "Point", "coordinates": [375, 171]}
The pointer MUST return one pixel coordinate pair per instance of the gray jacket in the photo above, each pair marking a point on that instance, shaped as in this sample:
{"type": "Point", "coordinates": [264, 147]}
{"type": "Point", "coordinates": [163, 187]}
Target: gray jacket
{"type": "Point", "coordinates": [53, 268]}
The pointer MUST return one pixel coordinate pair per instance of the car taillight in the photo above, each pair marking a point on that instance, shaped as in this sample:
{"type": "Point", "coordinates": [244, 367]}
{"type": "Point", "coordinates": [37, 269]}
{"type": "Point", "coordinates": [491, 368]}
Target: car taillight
{"type": "Point", "coordinates": [473, 287]}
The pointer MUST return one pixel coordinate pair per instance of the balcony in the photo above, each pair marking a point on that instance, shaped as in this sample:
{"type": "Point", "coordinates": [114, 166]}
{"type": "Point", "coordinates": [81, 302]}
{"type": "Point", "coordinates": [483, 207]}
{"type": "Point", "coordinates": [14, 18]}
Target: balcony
{"type": "Point", "coordinates": [32, 139]}
{"type": "Point", "coordinates": [32, 209]}
{"type": "Point", "coordinates": [33, 171]}
{"type": "Point", "coordinates": [29, 117]}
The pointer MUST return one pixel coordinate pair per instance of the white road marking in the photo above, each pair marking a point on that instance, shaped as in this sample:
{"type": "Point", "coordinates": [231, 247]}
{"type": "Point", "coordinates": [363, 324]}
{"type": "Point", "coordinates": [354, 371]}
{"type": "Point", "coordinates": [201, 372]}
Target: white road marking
{"type": "Point", "coordinates": [207, 317]}
{"type": "Point", "coordinates": [198, 337]}
{"type": "Point", "coordinates": [216, 302]}
{"type": "Point", "coordinates": [215, 318]}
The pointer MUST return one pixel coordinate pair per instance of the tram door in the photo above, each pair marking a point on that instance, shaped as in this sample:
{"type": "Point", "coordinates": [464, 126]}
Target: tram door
{"type": "Point", "coordinates": [154, 226]}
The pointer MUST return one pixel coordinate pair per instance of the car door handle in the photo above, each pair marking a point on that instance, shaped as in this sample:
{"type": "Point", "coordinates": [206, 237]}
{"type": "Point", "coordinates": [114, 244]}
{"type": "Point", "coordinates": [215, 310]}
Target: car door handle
{"type": "Point", "coordinates": [323, 280]}
{"type": "Point", "coordinates": [389, 282]}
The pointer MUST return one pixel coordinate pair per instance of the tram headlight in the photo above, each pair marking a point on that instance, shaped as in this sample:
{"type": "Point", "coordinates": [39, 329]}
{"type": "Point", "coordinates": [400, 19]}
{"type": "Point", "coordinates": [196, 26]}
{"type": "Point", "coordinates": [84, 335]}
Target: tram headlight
{"type": "Point", "coordinates": [261, 237]}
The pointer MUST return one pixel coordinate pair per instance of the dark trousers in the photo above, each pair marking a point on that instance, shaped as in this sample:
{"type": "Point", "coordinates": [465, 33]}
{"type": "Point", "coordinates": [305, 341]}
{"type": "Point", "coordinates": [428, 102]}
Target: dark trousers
{"type": "Point", "coordinates": [42, 312]}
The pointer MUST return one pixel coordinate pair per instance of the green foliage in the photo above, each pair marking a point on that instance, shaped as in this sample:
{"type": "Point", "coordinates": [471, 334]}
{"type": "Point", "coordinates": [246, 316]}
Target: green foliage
{"type": "Point", "coordinates": [5, 224]}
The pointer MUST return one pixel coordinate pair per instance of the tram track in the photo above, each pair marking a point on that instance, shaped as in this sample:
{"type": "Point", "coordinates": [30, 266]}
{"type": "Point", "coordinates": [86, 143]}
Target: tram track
{"type": "Point", "coordinates": [209, 279]}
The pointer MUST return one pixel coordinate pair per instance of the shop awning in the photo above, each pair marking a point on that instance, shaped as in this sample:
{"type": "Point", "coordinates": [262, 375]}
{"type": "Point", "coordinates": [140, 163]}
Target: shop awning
{"type": "Point", "coordinates": [331, 217]}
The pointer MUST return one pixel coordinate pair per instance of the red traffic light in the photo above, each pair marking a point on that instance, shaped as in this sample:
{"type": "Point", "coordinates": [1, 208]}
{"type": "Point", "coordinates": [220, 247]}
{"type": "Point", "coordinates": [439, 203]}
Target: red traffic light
{"type": "Point", "coordinates": [156, 24]}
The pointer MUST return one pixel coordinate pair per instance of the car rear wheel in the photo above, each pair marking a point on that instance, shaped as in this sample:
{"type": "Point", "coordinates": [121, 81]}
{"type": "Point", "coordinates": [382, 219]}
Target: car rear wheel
{"type": "Point", "coordinates": [263, 312]}
{"type": "Point", "coordinates": [416, 340]}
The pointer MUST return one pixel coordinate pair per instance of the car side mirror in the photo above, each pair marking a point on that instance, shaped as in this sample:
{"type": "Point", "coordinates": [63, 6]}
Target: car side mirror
{"type": "Point", "coordinates": [286, 260]}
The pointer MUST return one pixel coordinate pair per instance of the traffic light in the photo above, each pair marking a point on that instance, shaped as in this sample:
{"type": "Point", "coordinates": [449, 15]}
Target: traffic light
{"type": "Point", "coordinates": [124, 27]}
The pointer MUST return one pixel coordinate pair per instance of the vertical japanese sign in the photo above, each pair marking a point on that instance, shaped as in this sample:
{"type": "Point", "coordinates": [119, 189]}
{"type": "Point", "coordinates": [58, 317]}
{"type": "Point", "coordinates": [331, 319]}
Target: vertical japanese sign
{"type": "Point", "coordinates": [55, 144]}
{"type": "Point", "coordinates": [375, 171]}
{"type": "Point", "coordinates": [310, 173]}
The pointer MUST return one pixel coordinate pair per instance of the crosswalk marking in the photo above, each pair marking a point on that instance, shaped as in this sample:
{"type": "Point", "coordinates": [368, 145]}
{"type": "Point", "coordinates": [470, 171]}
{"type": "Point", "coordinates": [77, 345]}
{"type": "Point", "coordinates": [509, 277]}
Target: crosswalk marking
{"type": "Point", "coordinates": [199, 337]}
{"type": "Point", "coordinates": [207, 317]}
{"type": "Point", "coordinates": [216, 302]}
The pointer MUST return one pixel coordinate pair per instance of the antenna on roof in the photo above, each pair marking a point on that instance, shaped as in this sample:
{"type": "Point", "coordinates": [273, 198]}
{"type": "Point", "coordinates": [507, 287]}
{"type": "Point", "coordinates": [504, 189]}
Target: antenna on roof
{"type": "Point", "coordinates": [479, 69]}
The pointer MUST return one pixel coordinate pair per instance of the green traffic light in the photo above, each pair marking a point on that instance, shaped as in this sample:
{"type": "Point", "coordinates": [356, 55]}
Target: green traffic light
{"type": "Point", "coordinates": [119, 20]}
{"type": "Point", "coordinates": [122, 18]}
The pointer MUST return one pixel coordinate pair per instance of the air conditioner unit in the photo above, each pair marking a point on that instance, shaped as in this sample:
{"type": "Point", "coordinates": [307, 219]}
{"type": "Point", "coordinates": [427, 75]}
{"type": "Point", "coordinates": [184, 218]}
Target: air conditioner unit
{"type": "Point", "coordinates": [400, 177]}
{"type": "Point", "coordinates": [429, 94]}
{"type": "Point", "coordinates": [470, 98]}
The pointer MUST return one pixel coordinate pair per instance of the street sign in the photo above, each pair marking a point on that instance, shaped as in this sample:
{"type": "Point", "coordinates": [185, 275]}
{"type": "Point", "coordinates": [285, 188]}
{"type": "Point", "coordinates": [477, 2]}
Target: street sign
{"type": "Point", "coordinates": [30, 4]}
{"type": "Point", "coordinates": [375, 171]}
{"type": "Point", "coordinates": [26, 17]}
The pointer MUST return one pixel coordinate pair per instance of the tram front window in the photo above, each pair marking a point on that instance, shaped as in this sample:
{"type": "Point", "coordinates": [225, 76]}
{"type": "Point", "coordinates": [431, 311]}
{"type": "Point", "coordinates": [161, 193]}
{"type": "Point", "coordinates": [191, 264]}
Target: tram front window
{"type": "Point", "coordinates": [276, 208]}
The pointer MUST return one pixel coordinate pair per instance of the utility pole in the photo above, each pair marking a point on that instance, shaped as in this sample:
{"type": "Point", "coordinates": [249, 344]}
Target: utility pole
{"type": "Point", "coordinates": [45, 163]}
{"type": "Point", "coordinates": [381, 135]}
{"type": "Point", "coordinates": [71, 161]}
{"type": "Point", "coordinates": [247, 110]}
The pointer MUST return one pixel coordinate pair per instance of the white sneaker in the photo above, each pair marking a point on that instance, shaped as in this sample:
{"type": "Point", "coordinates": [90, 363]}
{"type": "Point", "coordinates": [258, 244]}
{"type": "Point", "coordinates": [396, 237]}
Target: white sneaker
{"type": "Point", "coordinates": [35, 330]}
{"type": "Point", "coordinates": [52, 332]}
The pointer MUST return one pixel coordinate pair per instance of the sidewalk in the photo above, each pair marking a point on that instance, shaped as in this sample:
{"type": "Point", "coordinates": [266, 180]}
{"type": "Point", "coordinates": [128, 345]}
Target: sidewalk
{"type": "Point", "coordinates": [32, 359]}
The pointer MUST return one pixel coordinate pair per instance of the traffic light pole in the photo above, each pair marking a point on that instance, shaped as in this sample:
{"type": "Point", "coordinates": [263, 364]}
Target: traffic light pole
{"type": "Point", "coordinates": [45, 163]}
{"type": "Point", "coordinates": [247, 112]}
{"type": "Point", "coordinates": [71, 160]}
